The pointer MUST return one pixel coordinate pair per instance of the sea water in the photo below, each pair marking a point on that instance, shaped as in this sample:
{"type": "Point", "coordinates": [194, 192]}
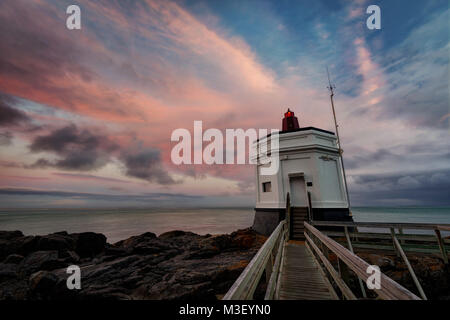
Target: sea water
{"type": "Point", "coordinates": [119, 224]}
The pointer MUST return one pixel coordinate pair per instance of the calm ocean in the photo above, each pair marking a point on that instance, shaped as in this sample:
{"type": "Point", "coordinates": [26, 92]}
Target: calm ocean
{"type": "Point", "coordinates": [118, 224]}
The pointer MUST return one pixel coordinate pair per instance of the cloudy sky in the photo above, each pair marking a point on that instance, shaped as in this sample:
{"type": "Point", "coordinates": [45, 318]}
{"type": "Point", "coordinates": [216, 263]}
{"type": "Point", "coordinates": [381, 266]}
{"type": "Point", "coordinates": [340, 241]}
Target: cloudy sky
{"type": "Point", "coordinates": [86, 115]}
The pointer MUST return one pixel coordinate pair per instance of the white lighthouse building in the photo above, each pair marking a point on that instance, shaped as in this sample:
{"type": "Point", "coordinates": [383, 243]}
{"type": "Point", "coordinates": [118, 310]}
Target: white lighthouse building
{"type": "Point", "coordinates": [310, 171]}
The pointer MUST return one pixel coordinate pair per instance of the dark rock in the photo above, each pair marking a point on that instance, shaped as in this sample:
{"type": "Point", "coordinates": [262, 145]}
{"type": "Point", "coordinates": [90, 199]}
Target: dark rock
{"type": "Point", "coordinates": [132, 241]}
{"type": "Point", "coordinates": [88, 244]}
{"type": "Point", "coordinates": [69, 256]}
{"type": "Point", "coordinates": [382, 261]}
{"type": "Point", "coordinates": [13, 258]}
{"type": "Point", "coordinates": [175, 234]}
{"type": "Point", "coordinates": [41, 260]}
{"type": "Point", "coordinates": [246, 238]}
{"type": "Point", "coordinates": [9, 235]}
{"type": "Point", "coordinates": [116, 252]}
{"type": "Point", "coordinates": [432, 273]}
{"type": "Point", "coordinates": [15, 245]}
{"type": "Point", "coordinates": [203, 253]}
{"type": "Point", "coordinates": [57, 241]}
{"type": "Point", "coordinates": [168, 291]}
{"type": "Point", "coordinates": [42, 282]}
{"type": "Point", "coordinates": [8, 271]}
{"type": "Point", "coordinates": [175, 265]}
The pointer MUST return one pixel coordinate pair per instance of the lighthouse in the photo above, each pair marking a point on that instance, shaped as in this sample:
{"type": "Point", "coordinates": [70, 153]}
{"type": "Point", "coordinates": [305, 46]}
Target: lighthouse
{"type": "Point", "coordinates": [309, 170]}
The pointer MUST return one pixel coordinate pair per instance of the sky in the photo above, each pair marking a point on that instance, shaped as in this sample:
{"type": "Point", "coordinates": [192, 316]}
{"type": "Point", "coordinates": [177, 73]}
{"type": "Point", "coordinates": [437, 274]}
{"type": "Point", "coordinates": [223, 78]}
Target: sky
{"type": "Point", "coordinates": [86, 116]}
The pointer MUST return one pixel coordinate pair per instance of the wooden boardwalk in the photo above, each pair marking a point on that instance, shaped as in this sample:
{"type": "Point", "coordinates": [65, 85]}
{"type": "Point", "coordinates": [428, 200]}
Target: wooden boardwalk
{"type": "Point", "coordinates": [293, 272]}
{"type": "Point", "coordinates": [301, 277]}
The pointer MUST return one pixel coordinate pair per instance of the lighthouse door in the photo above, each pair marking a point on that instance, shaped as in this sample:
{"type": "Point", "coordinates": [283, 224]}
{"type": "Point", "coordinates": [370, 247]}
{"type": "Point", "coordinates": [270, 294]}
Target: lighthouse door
{"type": "Point", "coordinates": [298, 191]}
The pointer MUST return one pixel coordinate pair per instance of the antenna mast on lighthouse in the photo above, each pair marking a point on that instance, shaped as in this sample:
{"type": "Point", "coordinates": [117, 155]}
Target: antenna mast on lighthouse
{"type": "Point", "coordinates": [331, 87]}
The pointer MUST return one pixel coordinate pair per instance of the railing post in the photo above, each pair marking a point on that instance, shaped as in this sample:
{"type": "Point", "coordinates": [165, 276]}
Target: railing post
{"type": "Point", "coordinates": [288, 215]}
{"type": "Point", "coordinates": [245, 285]}
{"type": "Point", "coordinates": [346, 291]}
{"type": "Point", "coordinates": [310, 212]}
{"type": "Point", "coordinates": [350, 247]}
{"type": "Point", "coordinates": [268, 270]}
{"type": "Point", "coordinates": [390, 290]}
{"type": "Point", "coordinates": [393, 243]}
{"type": "Point", "coordinates": [400, 232]}
{"type": "Point", "coordinates": [405, 259]}
{"type": "Point", "coordinates": [441, 245]}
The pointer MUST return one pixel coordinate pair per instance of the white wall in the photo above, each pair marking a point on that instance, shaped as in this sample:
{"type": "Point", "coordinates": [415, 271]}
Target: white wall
{"type": "Point", "coordinates": [315, 155]}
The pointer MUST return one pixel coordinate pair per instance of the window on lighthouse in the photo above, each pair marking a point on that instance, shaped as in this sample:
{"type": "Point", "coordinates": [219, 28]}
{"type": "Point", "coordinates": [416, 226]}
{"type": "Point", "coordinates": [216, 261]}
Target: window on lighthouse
{"type": "Point", "coordinates": [267, 186]}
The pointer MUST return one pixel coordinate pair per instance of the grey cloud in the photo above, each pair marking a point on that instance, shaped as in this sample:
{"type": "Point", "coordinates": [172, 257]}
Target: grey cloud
{"type": "Point", "coordinates": [146, 165]}
{"type": "Point", "coordinates": [428, 188]}
{"type": "Point", "coordinates": [5, 138]}
{"type": "Point", "coordinates": [78, 149]}
{"type": "Point", "coordinates": [88, 177]}
{"type": "Point", "coordinates": [147, 197]}
{"type": "Point", "coordinates": [85, 150]}
{"type": "Point", "coordinates": [417, 75]}
{"type": "Point", "coordinates": [247, 187]}
{"type": "Point", "coordinates": [10, 116]}
{"type": "Point", "coordinates": [362, 158]}
{"type": "Point", "coordinates": [418, 153]}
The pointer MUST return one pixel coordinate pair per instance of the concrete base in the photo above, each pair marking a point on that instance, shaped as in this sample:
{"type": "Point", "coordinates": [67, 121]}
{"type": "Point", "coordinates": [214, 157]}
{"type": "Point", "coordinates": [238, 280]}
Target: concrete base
{"type": "Point", "coordinates": [331, 214]}
{"type": "Point", "coordinates": [266, 220]}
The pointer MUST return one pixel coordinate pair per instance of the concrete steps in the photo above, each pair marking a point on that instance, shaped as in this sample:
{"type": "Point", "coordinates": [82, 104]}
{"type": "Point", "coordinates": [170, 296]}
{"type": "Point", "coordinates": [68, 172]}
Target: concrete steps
{"type": "Point", "coordinates": [298, 216]}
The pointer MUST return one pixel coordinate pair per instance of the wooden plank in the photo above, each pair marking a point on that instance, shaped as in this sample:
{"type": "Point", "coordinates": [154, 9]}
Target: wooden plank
{"type": "Point", "coordinates": [283, 258]}
{"type": "Point", "coordinates": [346, 291]}
{"type": "Point", "coordinates": [393, 243]}
{"type": "Point", "coordinates": [244, 287]}
{"type": "Point", "coordinates": [441, 246]}
{"type": "Point", "coordinates": [384, 225]}
{"type": "Point", "coordinates": [382, 236]}
{"type": "Point", "coordinates": [411, 270]}
{"type": "Point", "coordinates": [271, 286]}
{"type": "Point", "coordinates": [390, 290]}
{"type": "Point", "coordinates": [349, 243]}
{"type": "Point", "coordinates": [386, 247]}
{"type": "Point", "coordinates": [400, 231]}
{"type": "Point", "coordinates": [301, 278]}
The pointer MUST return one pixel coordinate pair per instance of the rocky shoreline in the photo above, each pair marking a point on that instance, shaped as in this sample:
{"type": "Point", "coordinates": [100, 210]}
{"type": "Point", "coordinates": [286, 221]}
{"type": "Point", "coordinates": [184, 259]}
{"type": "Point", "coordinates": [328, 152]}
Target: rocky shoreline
{"type": "Point", "coordinates": [174, 265]}
{"type": "Point", "coordinates": [430, 269]}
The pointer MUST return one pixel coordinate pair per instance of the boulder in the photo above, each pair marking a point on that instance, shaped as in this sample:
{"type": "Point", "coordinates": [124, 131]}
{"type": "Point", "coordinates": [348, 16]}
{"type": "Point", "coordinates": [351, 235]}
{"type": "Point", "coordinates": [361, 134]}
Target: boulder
{"type": "Point", "coordinates": [89, 244]}
{"type": "Point", "coordinates": [42, 282]}
{"type": "Point", "coordinates": [69, 256]}
{"type": "Point", "coordinates": [8, 271]}
{"type": "Point", "coordinates": [383, 262]}
{"type": "Point", "coordinates": [13, 258]}
{"type": "Point", "coordinates": [176, 234]}
{"type": "Point", "coordinates": [9, 235]}
{"type": "Point", "coordinates": [56, 241]}
{"type": "Point", "coordinates": [175, 265]}
{"type": "Point", "coordinates": [41, 260]}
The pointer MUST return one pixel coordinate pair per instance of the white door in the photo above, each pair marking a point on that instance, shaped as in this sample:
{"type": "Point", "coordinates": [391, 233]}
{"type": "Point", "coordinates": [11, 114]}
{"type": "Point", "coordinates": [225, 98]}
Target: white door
{"type": "Point", "coordinates": [298, 192]}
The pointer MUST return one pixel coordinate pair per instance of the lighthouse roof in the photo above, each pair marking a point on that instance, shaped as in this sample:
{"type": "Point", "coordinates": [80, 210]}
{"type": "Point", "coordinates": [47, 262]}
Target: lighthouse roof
{"type": "Point", "coordinates": [299, 129]}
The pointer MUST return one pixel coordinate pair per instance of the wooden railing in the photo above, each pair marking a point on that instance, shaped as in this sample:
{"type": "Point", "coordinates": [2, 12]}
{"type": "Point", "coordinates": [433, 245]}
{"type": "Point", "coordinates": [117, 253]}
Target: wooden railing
{"type": "Point", "coordinates": [390, 290]}
{"type": "Point", "coordinates": [409, 242]}
{"type": "Point", "coordinates": [310, 211]}
{"type": "Point", "coordinates": [288, 216]}
{"type": "Point", "coordinates": [269, 260]}
{"type": "Point", "coordinates": [401, 242]}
